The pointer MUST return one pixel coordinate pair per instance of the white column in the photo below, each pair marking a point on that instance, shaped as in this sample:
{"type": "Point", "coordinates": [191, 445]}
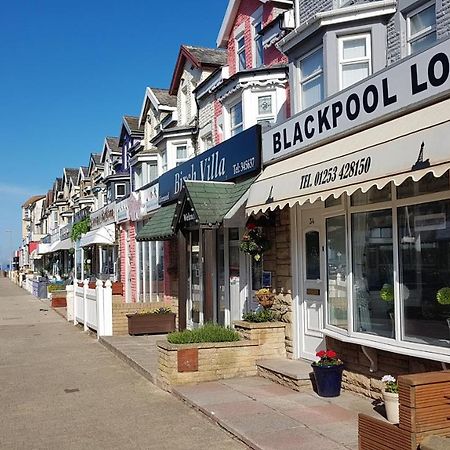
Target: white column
{"type": "Point", "coordinates": [100, 260]}
{"type": "Point", "coordinates": [85, 288]}
{"type": "Point", "coordinates": [99, 306]}
{"type": "Point", "coordinates": [107, 309]}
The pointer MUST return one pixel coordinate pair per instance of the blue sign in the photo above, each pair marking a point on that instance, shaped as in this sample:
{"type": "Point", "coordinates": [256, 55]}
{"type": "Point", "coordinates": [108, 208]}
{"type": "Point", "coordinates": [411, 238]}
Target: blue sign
{"type": "Point", "coordinates": [237, 156]}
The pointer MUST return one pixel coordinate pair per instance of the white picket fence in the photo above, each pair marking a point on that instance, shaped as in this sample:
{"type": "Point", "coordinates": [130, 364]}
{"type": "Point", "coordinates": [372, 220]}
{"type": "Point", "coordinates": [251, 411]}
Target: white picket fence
{"type": "Point", "coordinates": [91, 307]}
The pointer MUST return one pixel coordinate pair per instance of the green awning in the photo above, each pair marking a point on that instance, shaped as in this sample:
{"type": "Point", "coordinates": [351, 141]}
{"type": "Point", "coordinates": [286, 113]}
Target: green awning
{"type": "Point", "coordinates": [161, 226]}
{"type": "Point", "coordinates": [213, 200]}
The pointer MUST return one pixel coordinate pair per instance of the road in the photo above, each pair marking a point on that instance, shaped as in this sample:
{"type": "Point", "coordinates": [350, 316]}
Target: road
{"type": "Point", "coordinates": [60, 389]}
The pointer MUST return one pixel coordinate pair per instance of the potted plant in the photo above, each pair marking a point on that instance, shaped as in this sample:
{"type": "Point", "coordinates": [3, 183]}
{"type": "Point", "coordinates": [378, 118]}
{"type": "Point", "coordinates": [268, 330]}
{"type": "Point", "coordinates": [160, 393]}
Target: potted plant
{"type": "Point", "coordinates": [254, 242]}
{"type": "Point", "coordinates": [265, 298]}
{"type": "Point", "coordinates": [443, 298]}
{"type": "Point", "coordinates": [328, 373]}
{"type": "Point", "coordinates": [160, 320]}
{"type": "Point", "coordinates": [390, 396]}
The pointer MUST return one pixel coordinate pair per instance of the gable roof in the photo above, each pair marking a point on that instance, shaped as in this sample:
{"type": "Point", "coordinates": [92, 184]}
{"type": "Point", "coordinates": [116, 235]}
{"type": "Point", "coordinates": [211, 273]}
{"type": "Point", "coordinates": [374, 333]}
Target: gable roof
{"type": "Point", "coordinates": [200, 57]}
{"type": "Point", "coordinates": [159, 98]}
{"type": "Point", "coordinates": [71, 174]}
{"type": "Point", "coordinates": [164, 98]}
{"type": "Point", "coordinates": [32, 200]}
{"type": "Point", "coordinates": [132, 124]}
{"type": "Point", "coordinates": [230, 17]}
{"type": "Point", "coordinates": [113, 144]}
{"type": "Point", "coordinates": [96, 158]}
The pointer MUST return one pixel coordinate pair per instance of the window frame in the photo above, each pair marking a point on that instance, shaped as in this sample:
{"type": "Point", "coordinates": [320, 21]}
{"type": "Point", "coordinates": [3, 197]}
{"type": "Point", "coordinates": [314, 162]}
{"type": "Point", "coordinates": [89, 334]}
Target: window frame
{"type": "Point", "coordinates": [116, 193]}
{"type": "Point", "coordinates": [342, 63]}
{"type": "Point", "coordinates": [234, 127]}
{"type": "Point", "coordinates": [257, 41]}
{"type": "Point", "coordinates": [397, 344]}
{"type": "Point", "coordinates": [317, 74]}
{"type": "Point", "coordinates": [423, 33]}
{"type": "Point", "coordinates": [240, 50]}
{"type": "Point", "coordinates": [177, 145]}
{"type": "Point", "coordinates": [266, 119]}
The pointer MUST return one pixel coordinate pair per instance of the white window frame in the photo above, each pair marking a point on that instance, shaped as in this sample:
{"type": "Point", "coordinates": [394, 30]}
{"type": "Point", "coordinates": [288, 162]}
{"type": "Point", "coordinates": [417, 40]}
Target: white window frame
{"type": "Point", "coordinates": [117, 195]}
{"type": "Point", "coordinates": [342, 63]}
{"type": "Point", "coordinates": [240, 124]}
{"type": "Point", "coordinates": [411, 39]}
{"type": "Point", "coordinates": [164, 160]}
{"type": "Point", "coordinates": [257, 40]}
{"type": "Point", "coordinates": [397, 344]}
{"type": "Point", "coordinates": [177, 145]}
{"type": "Point", "coordinates": [239, 51]}
{"type": "Point", "coordinates": [204, 139]}
{"type": "Point", "coordinates": [317, 74]}
{"type": "Point", "coordinates": [267, 117]}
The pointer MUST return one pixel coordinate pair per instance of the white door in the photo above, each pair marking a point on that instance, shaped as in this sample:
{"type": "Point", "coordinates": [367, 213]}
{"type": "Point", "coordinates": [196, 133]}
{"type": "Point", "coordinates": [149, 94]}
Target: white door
{"type": "Point", "coordinates": [312, 283]}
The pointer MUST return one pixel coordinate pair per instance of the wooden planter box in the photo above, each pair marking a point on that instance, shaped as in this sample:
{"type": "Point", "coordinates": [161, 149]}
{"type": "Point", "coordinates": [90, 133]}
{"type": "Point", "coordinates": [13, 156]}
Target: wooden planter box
{"type": "Point", "coordinates": [59, 302]}
{"type": "Point", "coordinates": [151, 323]}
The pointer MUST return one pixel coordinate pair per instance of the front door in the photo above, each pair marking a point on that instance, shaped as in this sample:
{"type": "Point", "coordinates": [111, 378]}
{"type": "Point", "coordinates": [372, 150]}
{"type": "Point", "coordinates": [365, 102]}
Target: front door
{"type": "Point", "coordinates": [312, 283]}
{"type": "Point", "coordinates": [194, 301]}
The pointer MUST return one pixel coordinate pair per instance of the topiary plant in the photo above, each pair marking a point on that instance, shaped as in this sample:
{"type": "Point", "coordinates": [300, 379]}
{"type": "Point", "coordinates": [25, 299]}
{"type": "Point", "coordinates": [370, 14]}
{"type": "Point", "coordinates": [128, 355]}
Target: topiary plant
{"type": "Point", "coordinates": [79, 228]}
{"type": "Point", "coordinates": [443, 296]}
{"type": "Point", "coordinates": [387, 293]}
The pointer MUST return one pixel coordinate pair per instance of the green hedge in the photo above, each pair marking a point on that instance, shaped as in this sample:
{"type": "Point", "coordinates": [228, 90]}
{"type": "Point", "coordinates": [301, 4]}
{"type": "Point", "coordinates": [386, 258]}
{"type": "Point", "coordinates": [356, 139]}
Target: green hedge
{"type": "Point", "coordinates": [206, 333]}
{"type": "Point", "coordinates": [260, 316]}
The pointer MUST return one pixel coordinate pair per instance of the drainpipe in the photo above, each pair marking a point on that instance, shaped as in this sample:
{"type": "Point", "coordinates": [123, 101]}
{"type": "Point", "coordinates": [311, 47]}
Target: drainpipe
{"type": "Point", "coordinates": [297, 13]}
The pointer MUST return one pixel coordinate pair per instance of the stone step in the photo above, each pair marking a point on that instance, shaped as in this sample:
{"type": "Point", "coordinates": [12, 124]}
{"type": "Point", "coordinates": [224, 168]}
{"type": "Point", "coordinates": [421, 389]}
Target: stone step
{"type": "Point", "coordinates": [294, 374]}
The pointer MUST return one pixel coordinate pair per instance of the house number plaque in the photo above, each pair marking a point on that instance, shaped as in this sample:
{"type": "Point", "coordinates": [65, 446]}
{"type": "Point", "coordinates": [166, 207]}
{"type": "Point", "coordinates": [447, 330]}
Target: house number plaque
{"type": "Point", "coordinates": [313, 291]}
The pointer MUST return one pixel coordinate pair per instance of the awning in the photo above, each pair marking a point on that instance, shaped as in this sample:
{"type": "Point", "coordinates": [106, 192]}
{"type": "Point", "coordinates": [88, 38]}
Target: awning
{"type": "Point", "coordinates": [35, 255]}
{"type": "Point", "coordinates": [43, 249]}
{"type": "Point", "coordinates": [211, 201]}
{"type": "Point", "coordinates": [161, 226]}
{"type": "Point", "coordinates": [407, 147]}
{"type": "Point", "coordinates": [65, 244]}
{"type": "Point", "coordinates": [103, 236]}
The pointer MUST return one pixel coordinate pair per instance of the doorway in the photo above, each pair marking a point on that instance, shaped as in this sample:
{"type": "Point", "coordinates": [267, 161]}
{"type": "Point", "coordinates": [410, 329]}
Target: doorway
{"type": "Point", "coordinates": [312, 277]}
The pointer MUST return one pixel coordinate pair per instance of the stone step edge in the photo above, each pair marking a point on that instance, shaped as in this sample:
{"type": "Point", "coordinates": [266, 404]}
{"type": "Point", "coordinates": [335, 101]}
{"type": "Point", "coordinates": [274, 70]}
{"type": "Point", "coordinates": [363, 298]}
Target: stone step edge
{"type": "Point", "coordinates": [266, 365]}
{"type": "Point", "coordinates": [221, 423]}
{"type": "Point", "coordinates": [132, 363]}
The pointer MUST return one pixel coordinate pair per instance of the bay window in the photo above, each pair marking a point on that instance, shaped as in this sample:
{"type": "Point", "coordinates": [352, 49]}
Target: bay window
{"type": "Point", "coordinates": [421, 28]}
{"type": "Point", "coordinates": [311, 79]}
{"type": "Point", "coordinates": [181, 154]}
{"type": "Point", "coordinates": [236, 118]}
{"type": "Point", "coordinates": [388, 265]}
{"type": "Point", "coordinates": [355, 59]}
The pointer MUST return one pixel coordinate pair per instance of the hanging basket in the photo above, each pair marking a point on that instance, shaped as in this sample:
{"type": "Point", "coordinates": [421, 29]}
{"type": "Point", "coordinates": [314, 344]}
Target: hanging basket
{"type": "Point", "coordinates": [266, 300]}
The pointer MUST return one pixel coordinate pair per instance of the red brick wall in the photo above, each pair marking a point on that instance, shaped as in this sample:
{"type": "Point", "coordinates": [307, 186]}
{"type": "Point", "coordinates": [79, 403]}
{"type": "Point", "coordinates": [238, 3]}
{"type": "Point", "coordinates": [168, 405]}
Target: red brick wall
{"type": "Point", "coordinates": [122, 246]}
{"type": "Point", "coordinates": [132, 249]}
{"type": "Point", "coordinates": [217, 113]}
{"type": "Point", "coordinates": [123, 258]}
{"type": "Point", "coordinates": [246, 9]}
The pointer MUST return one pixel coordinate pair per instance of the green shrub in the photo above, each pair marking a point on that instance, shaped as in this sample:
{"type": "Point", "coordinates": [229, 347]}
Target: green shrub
{"type": "Point", "coordinates": [260, 316]}
{"type": "Point", "coordinates": [443, 296]}
{"type": "Point", "coordinates": [56, 287]}
{"type": "Point", "coordinates": [206, 333]}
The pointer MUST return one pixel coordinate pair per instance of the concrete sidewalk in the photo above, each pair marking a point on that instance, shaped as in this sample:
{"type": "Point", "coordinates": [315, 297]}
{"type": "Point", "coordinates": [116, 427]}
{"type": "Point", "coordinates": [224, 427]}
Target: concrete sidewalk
{"type": "Point", "coordinates": [259, 412]}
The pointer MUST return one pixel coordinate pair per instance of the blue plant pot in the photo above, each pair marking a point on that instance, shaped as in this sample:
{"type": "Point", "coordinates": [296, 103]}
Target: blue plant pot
{"type": "Point", "coordinates": [328, 380]}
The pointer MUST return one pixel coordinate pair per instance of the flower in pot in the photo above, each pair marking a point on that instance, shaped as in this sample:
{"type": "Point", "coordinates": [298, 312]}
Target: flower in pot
{"type": "Point", "coordinates": [328, 373]}
{"type": "Point", "coordinates": [253, 242]}
{"type": "Point", "coordinates": [390, 396]}
{"type": "Point", "coordinates": [443, 298]}
{"type": "Point", "coordinates": [265, 298]}
{"type": "Point", "coordinates": [151, 321]}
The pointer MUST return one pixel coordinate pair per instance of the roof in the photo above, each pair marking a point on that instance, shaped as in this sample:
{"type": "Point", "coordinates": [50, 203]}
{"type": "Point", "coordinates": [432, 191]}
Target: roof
{"type": "Point", "coordinates": [164, 98]}
{"type": "Point", "coordinates": [161, 226]}
{"type": "Point", "coordinates": [71, 173]}
{"type": "Point", "coordinates": [32, 200]}
{"type": "Point", "coordinates": [113, 144]}
{"type": "Point", "coordinates": [84, 170]}
{"type": "Point", "coordinates": [132, 123]}
{"type": "Point", "coordinates": [96, 157]}
{"type": "Point", "coordinates": [200, 57]}
{"type": "Point", "coordinates": [213, 200]}
{"type": "Point", "coordinates": [58, 184]}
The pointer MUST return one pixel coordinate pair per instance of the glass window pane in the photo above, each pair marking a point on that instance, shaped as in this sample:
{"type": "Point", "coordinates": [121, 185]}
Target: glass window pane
{"type": "Point", "coordinates": [424, 254]}
{"type": "Point", "coordinates": [423, 43]}
{"type": "Point", "coordinates": [426, 185]}
{"type": "Point", "coordinates": [422, 20]}
{"type": "Point", "coordinates": [373, 292]}
{"type": "Point", "coordinates": [265, 104]}
{"type": "Point", "coordinates": [312, 255]}
{"type": "Point", "coordinates": [154, 293]}
{"type": "Point", "coordinates": [312, 92]}
{"type": "Point", "coordinates": [146, 246]}
{"type": "Point", "coordinates": [354, 48]}
{"type": "Point", "coordinates": [352, 73]}
{"type": "Point", "coordinates": [337, 272]}
{"type": "Point", "coordinates": [236, 114]}
{"type": "Point", "coordinates": [221, 288]}
{"type": "Point", "coordinates": [311, 64]}
{"type": "Point", "coordinates": [373, 195]}
{"type": "Point", "coordinates": [181, 152]}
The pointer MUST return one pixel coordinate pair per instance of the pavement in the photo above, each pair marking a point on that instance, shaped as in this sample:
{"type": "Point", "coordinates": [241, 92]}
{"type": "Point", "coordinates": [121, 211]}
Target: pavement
{"type": "Point", "coordinates": [61, 389]}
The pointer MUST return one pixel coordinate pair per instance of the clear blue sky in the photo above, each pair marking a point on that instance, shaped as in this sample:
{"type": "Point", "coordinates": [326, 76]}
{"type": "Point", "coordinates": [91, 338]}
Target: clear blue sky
{"type": "Point", "coordinates": [70, 70]}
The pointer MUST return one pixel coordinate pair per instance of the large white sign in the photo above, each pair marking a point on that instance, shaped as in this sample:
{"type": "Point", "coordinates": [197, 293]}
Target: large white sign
{"type": "Point", "coordinates": [103, 216]}
{"type": "Point", "coordinates": [150, 198]}
{"type": "Point", "coordinates": [412, 81]}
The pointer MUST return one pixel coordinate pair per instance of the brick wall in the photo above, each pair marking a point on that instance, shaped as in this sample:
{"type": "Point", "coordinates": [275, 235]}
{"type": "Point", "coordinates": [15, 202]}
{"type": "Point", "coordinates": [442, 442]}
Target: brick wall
{"type": "Point", "coordinates": [217, 114]}
{"type": "Point", "coordinates": [120, 311]}
{"type": "Point", "coordinates": [128, 250]}
{"type": "Point", "coordinates": [357, 376]}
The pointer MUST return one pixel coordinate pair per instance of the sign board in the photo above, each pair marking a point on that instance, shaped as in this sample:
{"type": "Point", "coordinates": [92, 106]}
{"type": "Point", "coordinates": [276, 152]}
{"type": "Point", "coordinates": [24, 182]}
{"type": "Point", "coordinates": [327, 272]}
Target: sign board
{"type": "Point", "coordinates": [412, 81]}
{"type": "Point", "coordinates": [134, 206]}
{"type": "Point", "coordinates": [103, 216]}
{"type": "Point", "coordinates": [239, 155]}
{"type": "Point", "coordinates": [65, 232]}
{"type": "Point", "coordinates": [122, 214]}
{"type": "Point", "coordinates": [150, 198]}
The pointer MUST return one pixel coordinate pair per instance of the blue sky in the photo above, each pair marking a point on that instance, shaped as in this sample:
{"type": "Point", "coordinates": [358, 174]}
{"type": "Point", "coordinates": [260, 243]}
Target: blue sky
{"type": "Point", "coordinates": [70, 70]}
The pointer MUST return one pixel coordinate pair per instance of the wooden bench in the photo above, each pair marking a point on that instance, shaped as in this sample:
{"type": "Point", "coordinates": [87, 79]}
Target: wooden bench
{"type": "Point", "coordinates": [424, 411]}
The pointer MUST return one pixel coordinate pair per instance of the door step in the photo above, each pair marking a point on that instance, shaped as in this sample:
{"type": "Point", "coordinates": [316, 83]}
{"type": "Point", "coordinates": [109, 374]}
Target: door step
{"type": "Point", "coordinates": [294, 374]}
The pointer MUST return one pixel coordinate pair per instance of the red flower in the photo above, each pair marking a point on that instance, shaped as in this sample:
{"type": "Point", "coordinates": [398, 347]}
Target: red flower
{"type": "Point", "coordinates": [251, 226]}
{"type": "Point", "coordinates": [321, 354]}
{"type": "Point", "coordinates": [331, 354]}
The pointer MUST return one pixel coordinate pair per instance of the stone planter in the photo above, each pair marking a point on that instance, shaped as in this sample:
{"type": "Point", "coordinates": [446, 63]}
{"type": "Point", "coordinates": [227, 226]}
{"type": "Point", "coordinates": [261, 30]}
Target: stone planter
{"type": "Point", "coordinates": [194, 363]}
{"type": "Point", "coordinates": [151, 323]}
{"type": "Point", "coordinates": [266, 300]}
{"type": "Point", "coordinates": [392, 406]}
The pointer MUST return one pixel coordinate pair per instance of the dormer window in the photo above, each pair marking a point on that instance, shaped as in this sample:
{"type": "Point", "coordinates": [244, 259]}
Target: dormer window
{"type": "Point", "coordinates": [120, 190]}
{"type": "Point", "coordinates": [240, 52]}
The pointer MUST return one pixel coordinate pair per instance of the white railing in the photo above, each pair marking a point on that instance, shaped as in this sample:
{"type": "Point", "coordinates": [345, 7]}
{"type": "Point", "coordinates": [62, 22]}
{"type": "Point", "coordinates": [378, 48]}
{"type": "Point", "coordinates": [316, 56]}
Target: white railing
{"type": "Point", "coordinates": [92, 307]}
